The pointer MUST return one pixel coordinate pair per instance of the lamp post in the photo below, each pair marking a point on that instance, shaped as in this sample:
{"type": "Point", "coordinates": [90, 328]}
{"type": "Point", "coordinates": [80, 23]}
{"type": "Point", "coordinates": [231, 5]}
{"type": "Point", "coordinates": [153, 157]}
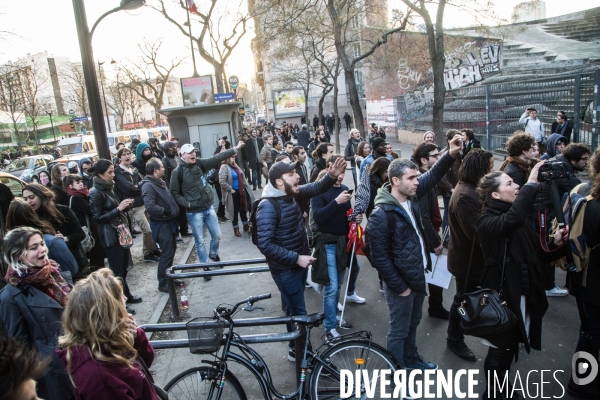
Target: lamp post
{"type": "Point", "coordinates": [51, 124]}
{"type": "Point", "coordinates": [103, 95]}
{"type": "Point", "coordinates": [89, 70]}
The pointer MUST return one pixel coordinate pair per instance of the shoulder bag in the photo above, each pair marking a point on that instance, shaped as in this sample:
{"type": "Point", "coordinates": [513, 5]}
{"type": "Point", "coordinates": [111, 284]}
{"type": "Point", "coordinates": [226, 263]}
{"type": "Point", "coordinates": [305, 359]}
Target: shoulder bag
{"type": "Point", "coordinates": [87, 244]}
{"type": "Point", "coordinates": [483, 312]}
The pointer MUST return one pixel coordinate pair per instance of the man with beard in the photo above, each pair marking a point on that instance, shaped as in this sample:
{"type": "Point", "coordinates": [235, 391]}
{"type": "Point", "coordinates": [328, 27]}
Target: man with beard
{"type": "Point", "coordinates": [127, 182]}
{"type": "Point", "coordinates": [143, 153]}
{"type": "Point", "coordinates": [85, 164]}
{"type": "Point", "coordinates": [169, 161]}
{"type": "Point", "coordinates": [280, 230]}
{"type": "Point", "coordinates": [378, 145]}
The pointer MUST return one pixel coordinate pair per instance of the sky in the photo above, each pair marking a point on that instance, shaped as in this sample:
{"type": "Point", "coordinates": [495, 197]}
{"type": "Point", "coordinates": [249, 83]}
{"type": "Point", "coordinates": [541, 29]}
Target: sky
{"type": "Point", "coordinates": [43, 25]}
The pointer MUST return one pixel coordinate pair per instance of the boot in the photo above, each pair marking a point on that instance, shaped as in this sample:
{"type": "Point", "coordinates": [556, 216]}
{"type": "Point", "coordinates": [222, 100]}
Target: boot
{"type": "Point", "coordinates": [236, 232]}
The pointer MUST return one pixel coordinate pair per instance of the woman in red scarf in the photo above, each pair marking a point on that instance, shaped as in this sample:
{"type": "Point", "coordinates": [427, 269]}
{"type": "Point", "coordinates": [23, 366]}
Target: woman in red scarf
{"type": "Point", "coordinates": [79, 203]}
{"type": "Point", "coordinates": [237, 199]}
{"type": "Point", "coordinates": [32, 304]}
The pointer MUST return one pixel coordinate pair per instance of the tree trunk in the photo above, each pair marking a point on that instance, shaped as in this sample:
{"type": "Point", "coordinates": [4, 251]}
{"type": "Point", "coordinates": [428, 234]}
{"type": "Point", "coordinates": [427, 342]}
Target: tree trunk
{"type": "Point", "coordinates": [219, 78]}
{"type": "Point", "coordinates": [354, 101]}
{"type": "Point", "coordinates": [335, 106]}
{"type": "Point", "coordinates": [324, 94]}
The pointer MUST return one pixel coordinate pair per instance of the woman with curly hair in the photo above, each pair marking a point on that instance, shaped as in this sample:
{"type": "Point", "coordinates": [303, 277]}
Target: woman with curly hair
{"type": "Point", "coordinates": [104, 352]}
{"type": "Point", "coordinates": [32, 304]}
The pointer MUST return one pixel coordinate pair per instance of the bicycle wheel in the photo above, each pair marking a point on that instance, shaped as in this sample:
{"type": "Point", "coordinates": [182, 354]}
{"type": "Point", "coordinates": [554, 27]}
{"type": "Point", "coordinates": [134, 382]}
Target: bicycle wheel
{"type": "Point", "coordinates": [351, 355]}
{"type": "Point", "coordinates": [201, 383]}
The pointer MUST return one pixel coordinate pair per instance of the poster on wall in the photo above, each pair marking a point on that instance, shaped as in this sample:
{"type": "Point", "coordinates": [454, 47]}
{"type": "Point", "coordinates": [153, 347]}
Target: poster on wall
{"type": "Point", "coordinates": [381, 112]}
{"type": "Point", "coordinates": [197, 91]}
{"type": "Point", "coordinates": [289, 102]}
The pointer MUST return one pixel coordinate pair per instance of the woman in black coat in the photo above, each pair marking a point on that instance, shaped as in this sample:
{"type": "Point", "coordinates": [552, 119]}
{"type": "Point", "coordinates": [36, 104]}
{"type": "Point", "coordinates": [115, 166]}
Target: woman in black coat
{"type": "Point", "coordinates": [320, 155]}
{"type": "Point", "coordinates": [108, 213]}
{"type": "Point", "coordinates": [504, 220]}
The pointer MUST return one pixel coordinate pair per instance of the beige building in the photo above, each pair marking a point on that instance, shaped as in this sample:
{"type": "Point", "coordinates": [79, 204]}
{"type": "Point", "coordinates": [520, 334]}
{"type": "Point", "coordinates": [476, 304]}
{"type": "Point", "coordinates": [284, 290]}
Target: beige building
{"type": "Point", "coordinates": [529, 11]}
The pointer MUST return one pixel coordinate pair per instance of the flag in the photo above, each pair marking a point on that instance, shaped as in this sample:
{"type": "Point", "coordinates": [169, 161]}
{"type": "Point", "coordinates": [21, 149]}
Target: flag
{"type": "Point", "coordinates": [192, 7]}
{"type": "Point", "coordinates": [355, 234]}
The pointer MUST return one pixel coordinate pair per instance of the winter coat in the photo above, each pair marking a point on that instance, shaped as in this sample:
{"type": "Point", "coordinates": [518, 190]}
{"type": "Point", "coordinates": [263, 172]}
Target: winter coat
{"type": "Point", "coordinates": [517, 174]}
{"type": "Point", "coordinates": [320, 165]}
{"type": "Point", "coordinates": [252, 152]}
{"type": "Point", "coordinates": [283, 241]}
{"type": "Point", "coordinates": [397, 254]}
{"type": "Point", "coordinates": [35, 318]}
{"type": "Point", "coordinates": [103, 204]}
{"type": "Point", "coordinates": [551, 146]}
{"type": "Point", "coordinates": [170, 163]}
{"type": "Point", "coordinates": [194, 193]}
{"type": "Point", "coordinates": [473, 144]}
{"type": "Point", "coordinates": [370, 160]}
{"type": "Point", "coordinates": [591, 228]}
{"type": "Point", "coordinates": [127, 185]}
{"type": "Point", "coordinates": [567, 183]}
{"type": "Point", "coordinates": [350, 151]}
{"type": "Point", "coordinates": [428, 202]}
{"type": "Point", "coordinates": [96, 380]}
{"type": "Point", "coordinates": [303, 138]}
{"type": "Point", "coordinates": [524, 271]}
{"type": "Point", "coordinates": [265, 155]}
{"type": "Point", "coordinates": [315, 121]}
{"type": "Point", "coordinates": [463, 211]}
{"type": "Point", "coordinates": [226, 180]}
{"type": "Point", "coordinates": [140, 162]}
{"type": "Point", "coordinates": [60, 196]}
{"type": "Point", "coordinates": [159, 202]}
{"type": "Point", "coordinates": [374, 184]}
{"type": "Point", "coordinates": [565, 130]}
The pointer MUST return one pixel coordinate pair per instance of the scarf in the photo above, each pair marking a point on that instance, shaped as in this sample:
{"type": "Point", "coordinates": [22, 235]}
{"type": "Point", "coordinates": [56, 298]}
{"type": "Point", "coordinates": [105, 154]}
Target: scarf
{"type": "Point", "coordinates": [523, 165]}
{"type": "Point", "coordinates": [80, 192]}
{"type": "Point", "coordinates": [46, 279]}
{"type": "Point", "coordinates": [241, 187]}
{"type": "Point", "coordinates": [107, 185]}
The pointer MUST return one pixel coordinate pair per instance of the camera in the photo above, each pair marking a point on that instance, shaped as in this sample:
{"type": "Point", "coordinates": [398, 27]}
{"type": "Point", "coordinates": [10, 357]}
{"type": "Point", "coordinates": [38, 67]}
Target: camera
{"type": "Point", "coordinates": [552, 171]}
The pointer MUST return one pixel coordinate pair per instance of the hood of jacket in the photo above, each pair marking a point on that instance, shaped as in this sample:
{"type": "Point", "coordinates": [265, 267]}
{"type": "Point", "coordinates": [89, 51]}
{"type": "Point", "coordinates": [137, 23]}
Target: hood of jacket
{"type": "Point", "coordinates": [551, 144]}
{"type": "Point", "coordinates": [384, 196]}
{"type": "Point", "coordinates": [140, 149]}
{"type": "Point", "coordinates": [272, 191]}
{"type": "Point", "coordinates": [83, 161]}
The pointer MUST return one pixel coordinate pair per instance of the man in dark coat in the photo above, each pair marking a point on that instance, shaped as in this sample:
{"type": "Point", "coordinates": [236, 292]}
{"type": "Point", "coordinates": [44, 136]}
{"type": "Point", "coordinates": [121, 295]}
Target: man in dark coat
{"type": "Point", "coordinates": [397, 248]}
{"type": "Point", "coordinates": [169, 161]}
{"type": "Point", "coordinates": [520, 156]}
{"type": "Point", "coordinates": [464, 209]}
{"type": "Point", "coordinates": [303, 137]}
{"type": "Point", "coordinates": [163, 211]}
{"type": "Point", "coordinates": [251, 151]}
{"type": "Point", "coordinates": [562, 126]}
{"type": "Point", "coordinates": [315, 122]}
{"type": "Point", "coordinates": [426, 155]}
{"type": "Point", "coordinates": [348, 121]}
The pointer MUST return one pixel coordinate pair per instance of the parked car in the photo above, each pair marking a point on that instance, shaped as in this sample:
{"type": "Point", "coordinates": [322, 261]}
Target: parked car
{"type": "Point", "coordinates": [14, 184]}
{"type": "Point", "coordinates": [29, 168]}
{"type": "Point", "coordinates": [72, 147]}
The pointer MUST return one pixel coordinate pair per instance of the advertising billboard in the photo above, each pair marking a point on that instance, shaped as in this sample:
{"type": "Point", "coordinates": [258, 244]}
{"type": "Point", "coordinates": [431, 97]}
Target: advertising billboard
{"type": "Point", "coordinates": [381, 112]}
{"type": "Point", "coordinates": [289, 102]}
{"type": "Point", "coordinates": [197, 91]}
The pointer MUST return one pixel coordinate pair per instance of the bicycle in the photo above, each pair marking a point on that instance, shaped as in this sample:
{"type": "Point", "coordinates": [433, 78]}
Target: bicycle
{"type": "Point", "coordinates": [352, 351]}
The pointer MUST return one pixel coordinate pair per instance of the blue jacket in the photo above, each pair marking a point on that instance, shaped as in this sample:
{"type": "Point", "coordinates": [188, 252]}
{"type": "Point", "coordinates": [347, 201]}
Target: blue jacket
{"type": "Point", "coordinates": [283, 241]}
{"type": "Point", "coordinates": [396, 254]}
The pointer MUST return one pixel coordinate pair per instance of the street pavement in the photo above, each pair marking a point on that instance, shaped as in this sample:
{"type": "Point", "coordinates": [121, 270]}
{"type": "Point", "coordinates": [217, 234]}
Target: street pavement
{"type": "Point", "coordinates": [560, 330]}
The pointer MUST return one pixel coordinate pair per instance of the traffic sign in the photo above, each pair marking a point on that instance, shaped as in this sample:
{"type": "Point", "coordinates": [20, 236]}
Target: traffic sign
{"type": "Point", "coordinates": [233, 81]}
{"type": "Point", "coordinates": [224, 96]}
{"type": "Point", "coordinates": [72, 112]}
{"type": "Point", "coordinates": [80, 119]}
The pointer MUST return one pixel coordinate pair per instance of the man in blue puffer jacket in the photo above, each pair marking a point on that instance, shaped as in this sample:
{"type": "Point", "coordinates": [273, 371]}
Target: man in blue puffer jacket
{"type": "Point", "coordinates": [397, 247]}
{"type": "Point", "coordinates": [281, 234]}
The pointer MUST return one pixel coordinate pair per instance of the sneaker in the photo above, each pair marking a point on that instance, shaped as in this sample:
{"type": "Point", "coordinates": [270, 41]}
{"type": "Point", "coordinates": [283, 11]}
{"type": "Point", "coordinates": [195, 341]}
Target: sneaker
{"type": "Point", "coordinates": [151, 258]}
{"type": "Point", "coordinates": [207, 278]}
{"type": "Point", "coordinates": [422, 365]}
{"type": "Point", "coordinates": [179, 240]}
{"type": "Point", "coordinates": [186, 234]}
{"type": "Point", "coordinates": [556, 292]}
{"type": "Point", "coordinates": [342, 323]}
{"type": "Point", "coordinates": [332, 334]}
{"type": "Point", "coordinates": [381, 289]}
{"type": "Point", "coordinates": [340, 307]}
{"type": "Point", "coordinates": [356, 299]}
{"type": "Point", "coordinates": [222, 220]}
{"type": "Point", "coordinates": [291, 355]}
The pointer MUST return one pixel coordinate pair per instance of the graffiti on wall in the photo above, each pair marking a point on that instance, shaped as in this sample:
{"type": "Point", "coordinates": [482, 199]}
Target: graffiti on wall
{"type": "Point", "coordinates": [417, 102]}
{"type": "Point", "coordinates": [474, 67]}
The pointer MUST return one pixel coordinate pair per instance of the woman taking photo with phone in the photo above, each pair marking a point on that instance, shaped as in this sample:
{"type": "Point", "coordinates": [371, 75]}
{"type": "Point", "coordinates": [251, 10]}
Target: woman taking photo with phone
{"type": "Point", "coordinates": [504, 225]}
{"type": "Point", "coordinates": [108, 213]}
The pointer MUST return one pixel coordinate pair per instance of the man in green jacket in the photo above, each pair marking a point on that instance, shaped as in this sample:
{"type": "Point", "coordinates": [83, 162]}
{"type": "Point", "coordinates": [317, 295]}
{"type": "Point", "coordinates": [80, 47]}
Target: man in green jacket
{"type": "Point", "coordinates": [192, 191]}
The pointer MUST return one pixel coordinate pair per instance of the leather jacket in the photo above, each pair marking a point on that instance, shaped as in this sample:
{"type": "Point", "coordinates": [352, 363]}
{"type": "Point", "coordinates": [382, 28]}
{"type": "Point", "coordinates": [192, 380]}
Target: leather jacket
{"type": "Point", "coordinates": [103, 204]}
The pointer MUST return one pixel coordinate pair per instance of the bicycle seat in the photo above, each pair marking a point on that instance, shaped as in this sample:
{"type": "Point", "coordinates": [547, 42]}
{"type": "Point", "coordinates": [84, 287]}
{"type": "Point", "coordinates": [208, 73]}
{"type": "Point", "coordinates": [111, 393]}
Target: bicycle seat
{"type": "Point", "coordinates": [308, 319]}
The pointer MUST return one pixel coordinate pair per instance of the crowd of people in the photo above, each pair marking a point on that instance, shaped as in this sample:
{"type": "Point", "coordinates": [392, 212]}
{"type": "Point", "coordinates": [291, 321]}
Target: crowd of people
{"type": "Point", "coordinates": [61, 301]}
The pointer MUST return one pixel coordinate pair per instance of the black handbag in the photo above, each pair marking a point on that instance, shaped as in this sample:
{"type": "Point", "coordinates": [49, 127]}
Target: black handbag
{"type": "Point", "coordinates": [483, 312]}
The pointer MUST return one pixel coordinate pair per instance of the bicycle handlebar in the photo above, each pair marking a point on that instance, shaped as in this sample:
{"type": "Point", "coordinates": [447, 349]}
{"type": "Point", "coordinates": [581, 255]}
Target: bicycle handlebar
{"type": "Point", "coordinates": [224, 312]}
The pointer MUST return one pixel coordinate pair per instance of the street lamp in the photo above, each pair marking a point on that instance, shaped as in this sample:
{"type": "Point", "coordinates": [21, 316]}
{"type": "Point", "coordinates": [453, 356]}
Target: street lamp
{"type": "Point", "coordinates": [89, 70]}
{"type": "Point", "coordinates": [52, 124]}
{"type": "Point", "coordinates": [102, 77]}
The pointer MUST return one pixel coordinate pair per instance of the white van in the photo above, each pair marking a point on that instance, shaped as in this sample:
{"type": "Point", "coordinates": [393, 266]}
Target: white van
{"type": "Point", "coordinates": [141, 134]}
{"type": "Point", "coordinates": [118, 137]}
{"type": "Point", "coordinates": [82, 144]}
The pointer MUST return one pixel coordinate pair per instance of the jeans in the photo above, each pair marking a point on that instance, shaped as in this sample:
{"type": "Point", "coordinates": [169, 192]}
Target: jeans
{"type": "Point", "coordinates": [445, 217]}
{"type": "Point", "coordinates": [138, 214]}
{"type": "Point", "coordinates": [331, 292]}
{"type": "Point", "coordinates": [405, 316]}
{"type": "Point", "coordinates": [256, 177]}
{"type": "Point", "coordinates": [197, 221]}
{"type": "Point", "coordinates": [291, 286]}
{"type": "Point", "coordinates": [236, 210]}
{"type": "Point", "coordinates": [454, 334]}
{"type": "Point", "coordinates": [353, 277]}
{"type": "Point", "coordinates": [168, 244]}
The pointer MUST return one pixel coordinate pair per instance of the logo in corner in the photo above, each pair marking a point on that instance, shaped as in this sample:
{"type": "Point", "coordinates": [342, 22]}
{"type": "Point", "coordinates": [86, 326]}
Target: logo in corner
{"type": "Point", "coordinates": [583, 363]}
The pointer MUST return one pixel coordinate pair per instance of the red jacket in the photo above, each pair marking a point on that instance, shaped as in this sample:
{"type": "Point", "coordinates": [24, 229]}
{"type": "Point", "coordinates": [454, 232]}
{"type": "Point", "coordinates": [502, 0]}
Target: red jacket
{"type": "Point", "coordinates": [96, 380]}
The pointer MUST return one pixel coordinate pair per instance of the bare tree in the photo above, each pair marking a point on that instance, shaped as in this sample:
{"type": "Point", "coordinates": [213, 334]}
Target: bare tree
{"type": "Point", "coordinates": [14, 84]}
{"type": "Point", "coordinates": [118, 92]}
{"type": "Point", "coordinates": [35, 102]}
{"type": "Point", "coordinates": [221, 30]}
{"type": "Point", "coordinates": [75, 94]}
{"type": "Point", "coordinates": [150, 78]}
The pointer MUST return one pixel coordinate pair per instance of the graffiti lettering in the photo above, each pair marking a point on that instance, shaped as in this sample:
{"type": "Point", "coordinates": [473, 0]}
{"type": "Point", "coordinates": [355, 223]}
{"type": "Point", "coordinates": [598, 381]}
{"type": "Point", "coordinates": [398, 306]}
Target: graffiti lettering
{"type": "Point", "coordinates": [417, 102]}
{"type": "Point", "coordinates": [473, 68]}
{"type": "Point", "coordinates": [457, 52]}
{"type": "Point", "coordinates": [463, 76]}
{"type": "Point", "coordinates": [406, 75]}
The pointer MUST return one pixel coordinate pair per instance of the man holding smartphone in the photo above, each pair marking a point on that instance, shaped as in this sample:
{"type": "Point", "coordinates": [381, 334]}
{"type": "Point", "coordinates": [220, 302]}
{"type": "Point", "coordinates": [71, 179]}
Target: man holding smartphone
{"type": "Point", "coordinates": [534, 127]}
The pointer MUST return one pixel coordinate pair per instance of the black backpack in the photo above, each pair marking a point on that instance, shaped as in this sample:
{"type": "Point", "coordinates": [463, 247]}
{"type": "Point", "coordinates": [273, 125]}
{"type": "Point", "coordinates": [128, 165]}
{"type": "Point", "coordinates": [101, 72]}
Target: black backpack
{"type": "Point", "coordinates": [252, 220]}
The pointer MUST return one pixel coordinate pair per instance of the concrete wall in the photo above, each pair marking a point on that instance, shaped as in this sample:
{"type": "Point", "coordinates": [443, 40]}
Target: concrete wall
{"type": "Point", "coordinates": [414, 138]}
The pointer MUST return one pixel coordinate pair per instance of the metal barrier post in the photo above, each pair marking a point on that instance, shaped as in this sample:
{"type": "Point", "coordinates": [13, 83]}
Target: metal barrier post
{"type": "Point", "coordinates": [172, 297]}
{"type": "Point", "coordinates": [577, 109]}
{"type": "Point", "coordinates": [488, 116]}
{"type": "Point", "coordinates": [596, 111]}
